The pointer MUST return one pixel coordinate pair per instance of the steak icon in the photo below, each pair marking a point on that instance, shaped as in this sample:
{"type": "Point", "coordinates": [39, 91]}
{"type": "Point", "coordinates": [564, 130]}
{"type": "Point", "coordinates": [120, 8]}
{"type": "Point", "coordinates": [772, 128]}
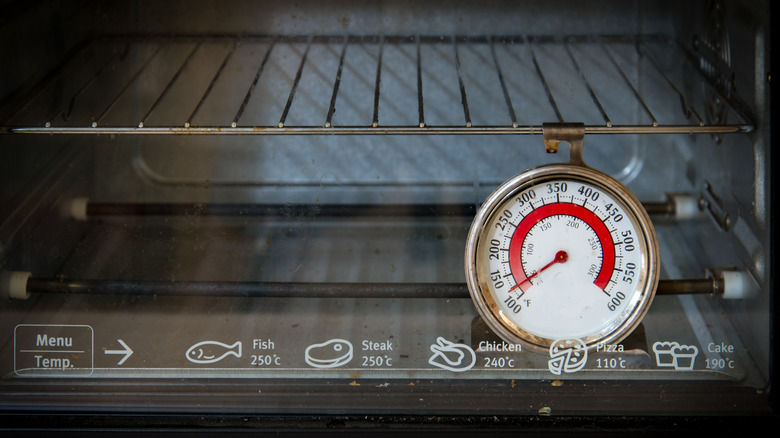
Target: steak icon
{"type": "Point", "coordinates": [331, 354]}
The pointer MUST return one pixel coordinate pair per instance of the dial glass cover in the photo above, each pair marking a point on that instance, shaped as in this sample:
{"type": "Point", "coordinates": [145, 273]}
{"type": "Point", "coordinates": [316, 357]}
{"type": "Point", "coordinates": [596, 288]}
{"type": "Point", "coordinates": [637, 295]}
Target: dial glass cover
{"type": "Point", "coordinates": [562, 252]}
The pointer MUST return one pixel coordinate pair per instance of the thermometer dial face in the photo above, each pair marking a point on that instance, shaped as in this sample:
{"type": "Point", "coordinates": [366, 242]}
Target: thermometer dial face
{"type": "Point", "coordinates": [562, 252]}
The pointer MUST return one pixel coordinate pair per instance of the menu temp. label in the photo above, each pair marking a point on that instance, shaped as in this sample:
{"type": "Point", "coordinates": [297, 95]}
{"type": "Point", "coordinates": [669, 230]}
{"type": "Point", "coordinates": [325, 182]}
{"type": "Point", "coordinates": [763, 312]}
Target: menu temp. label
{"type": "Point", "coordinates": [53, 350]}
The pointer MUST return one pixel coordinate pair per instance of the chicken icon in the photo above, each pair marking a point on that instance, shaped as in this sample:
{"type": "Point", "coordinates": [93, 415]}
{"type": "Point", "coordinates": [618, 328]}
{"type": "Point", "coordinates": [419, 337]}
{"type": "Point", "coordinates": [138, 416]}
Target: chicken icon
{"type": "Point", "coordinates": [452, 356]}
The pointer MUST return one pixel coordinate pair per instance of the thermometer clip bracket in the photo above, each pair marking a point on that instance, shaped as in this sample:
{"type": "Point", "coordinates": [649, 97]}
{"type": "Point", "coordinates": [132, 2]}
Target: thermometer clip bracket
{"type": "Point", "coordinates": [572, 133]}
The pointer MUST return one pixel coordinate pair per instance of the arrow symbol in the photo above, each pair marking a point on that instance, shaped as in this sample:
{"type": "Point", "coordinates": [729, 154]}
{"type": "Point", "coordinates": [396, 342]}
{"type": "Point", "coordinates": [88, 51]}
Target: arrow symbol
{"type": "Point", "coordinates": [127, 351]}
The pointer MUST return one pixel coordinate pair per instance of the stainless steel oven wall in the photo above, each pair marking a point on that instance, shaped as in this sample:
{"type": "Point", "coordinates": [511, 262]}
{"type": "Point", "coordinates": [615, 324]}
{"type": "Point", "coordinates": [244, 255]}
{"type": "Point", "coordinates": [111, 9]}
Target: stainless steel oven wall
{"type": "Point", "coordinates": [732, 173]}
{"type": "Point", "coordinates": [35, 39]}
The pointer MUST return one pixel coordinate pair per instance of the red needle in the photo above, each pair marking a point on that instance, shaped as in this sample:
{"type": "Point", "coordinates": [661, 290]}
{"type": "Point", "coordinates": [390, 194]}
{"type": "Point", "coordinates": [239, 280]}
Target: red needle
{"type": "Point", "coordinates": [560, 257]}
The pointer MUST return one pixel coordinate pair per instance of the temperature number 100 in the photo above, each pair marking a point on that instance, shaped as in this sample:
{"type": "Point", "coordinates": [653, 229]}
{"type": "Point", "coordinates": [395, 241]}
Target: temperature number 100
{"type": "Point", "coordinates": [513, 304]}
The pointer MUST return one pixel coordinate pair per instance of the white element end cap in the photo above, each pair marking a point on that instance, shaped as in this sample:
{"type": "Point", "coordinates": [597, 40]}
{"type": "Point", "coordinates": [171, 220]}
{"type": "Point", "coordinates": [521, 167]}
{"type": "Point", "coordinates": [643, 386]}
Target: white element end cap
{"type": "Point", "coordinates": [685, 206]}
{"type": "Point", "coordinates": [14, 284]}
{"type": "Point", "coordinates": [78, 208]}
{"type": "Point", "coordinates": [737, 285]}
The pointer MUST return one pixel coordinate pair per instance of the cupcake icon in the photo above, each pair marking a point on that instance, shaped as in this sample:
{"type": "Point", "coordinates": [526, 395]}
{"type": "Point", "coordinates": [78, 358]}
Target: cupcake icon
{"type": "Point", "coordinates": [674, 355]}
{"type": "Point", "coordinates": [684, 357]}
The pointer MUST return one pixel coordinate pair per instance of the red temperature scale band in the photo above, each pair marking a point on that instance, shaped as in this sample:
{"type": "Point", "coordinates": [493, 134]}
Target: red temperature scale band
{"type": "Point", "coordinates": [565, 209]}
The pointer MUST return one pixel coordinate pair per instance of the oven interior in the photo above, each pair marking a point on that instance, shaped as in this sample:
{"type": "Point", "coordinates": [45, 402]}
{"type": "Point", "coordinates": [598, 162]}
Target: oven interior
{"type": "Point", "coordinates": [268, 177]}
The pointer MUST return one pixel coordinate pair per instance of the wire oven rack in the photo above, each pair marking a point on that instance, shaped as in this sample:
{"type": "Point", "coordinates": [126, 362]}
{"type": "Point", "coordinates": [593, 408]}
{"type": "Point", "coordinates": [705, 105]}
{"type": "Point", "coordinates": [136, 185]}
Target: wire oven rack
{"type": "Point", "coordinates": [267, 85]}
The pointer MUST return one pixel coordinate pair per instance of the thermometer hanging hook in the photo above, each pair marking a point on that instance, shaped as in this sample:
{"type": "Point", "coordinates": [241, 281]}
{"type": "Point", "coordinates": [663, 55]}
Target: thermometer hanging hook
{"type": "Point", "coordinates": [572, 133]}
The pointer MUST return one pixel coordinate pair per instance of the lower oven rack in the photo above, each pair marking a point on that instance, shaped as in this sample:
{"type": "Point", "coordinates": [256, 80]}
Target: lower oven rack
{"type": "Point", "coordinates": [376, 84]}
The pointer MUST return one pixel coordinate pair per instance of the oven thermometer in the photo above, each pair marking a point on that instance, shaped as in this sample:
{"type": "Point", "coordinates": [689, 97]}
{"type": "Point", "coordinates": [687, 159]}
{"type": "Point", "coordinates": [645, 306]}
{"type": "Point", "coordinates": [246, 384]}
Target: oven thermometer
{"type": "Point", "coordinates": [562, 252]}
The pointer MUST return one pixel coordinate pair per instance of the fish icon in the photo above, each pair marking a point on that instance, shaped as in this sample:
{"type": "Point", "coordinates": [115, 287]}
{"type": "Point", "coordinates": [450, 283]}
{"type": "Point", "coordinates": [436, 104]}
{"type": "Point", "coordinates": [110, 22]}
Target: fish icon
{"type": "Point", "coordinates": [330, 354]}
{"type": "Point", "coordinates": [212, 351]}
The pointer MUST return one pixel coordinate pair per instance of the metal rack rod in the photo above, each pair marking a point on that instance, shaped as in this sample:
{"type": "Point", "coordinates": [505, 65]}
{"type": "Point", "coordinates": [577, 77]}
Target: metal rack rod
{"type": "Point", "coordinates": [211, 84]}
{"type": "Point", "coordinates": [336, 84]}
{"type": "Point", "coordinates": [375, 117]}
{"type": "Point", "coordinates": [294, 88]}
{"type": "Point", "coordinates": [629, 84]}
{"type": "Point", "coordinates": [504, 90]}
{"type": "Point", "coordinates": [251, 289]}
{"type": "Point", "coordinates": [464, 100]}
{"type": "Point", "coordinates": [592, 93]}
{"type": "Point", "coordinates": [49, 79]}
{"type": "Point", "coordinates": [381, 130]}
{"type": "Point", "coordinates": [690, 287]}
{"type": "Point", "coordinates": [170, 84]}
{"type": "Point", "coordinates": [420, 105]}
{"type": "Point", "coordinates": [96, 209]}
{"type": "Point", "coordinates": [687, 109]}
{"type": "Point", "coordinates": [65, 113]}
{"type": "Point", "coordinates": [130, 82]}
{"type": "Point", "coordinates": [547, 91]}
{"type": "Point", "coordinates": [392, 38]}
{"type": "Point", "coordinates": [739, 107]}
{"type": "Point", "coordinates": [252, 86]}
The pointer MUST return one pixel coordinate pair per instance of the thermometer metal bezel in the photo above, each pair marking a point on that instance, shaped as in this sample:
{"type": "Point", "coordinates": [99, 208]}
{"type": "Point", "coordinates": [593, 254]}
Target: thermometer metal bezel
{"type": "Point", "coordinates": [635, 310]}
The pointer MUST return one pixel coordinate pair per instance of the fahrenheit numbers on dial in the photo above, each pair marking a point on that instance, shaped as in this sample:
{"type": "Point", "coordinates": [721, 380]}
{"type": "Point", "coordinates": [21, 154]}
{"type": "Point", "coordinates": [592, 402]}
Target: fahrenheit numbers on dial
{"type": "Point", "coordinates": [561, 258]}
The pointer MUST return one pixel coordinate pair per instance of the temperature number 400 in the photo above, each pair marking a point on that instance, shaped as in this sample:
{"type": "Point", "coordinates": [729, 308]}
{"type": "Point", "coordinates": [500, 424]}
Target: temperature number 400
{"type": "Point", "coordinates": [588, 193]}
